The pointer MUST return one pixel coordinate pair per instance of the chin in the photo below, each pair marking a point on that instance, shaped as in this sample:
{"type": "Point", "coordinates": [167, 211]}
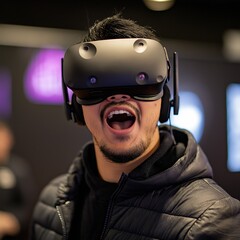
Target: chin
{"type": "Point", "coordinates": [126, 154]}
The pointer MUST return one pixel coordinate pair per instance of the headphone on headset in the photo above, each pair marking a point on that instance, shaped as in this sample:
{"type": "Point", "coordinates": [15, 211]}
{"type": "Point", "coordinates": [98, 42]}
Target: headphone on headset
{"type": "Point", "coordinates": [139, 68]}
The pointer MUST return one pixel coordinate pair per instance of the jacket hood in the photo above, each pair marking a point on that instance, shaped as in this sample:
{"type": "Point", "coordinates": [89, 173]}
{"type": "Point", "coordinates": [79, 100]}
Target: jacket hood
{"type": "Point", "coordinates": [192, 164]}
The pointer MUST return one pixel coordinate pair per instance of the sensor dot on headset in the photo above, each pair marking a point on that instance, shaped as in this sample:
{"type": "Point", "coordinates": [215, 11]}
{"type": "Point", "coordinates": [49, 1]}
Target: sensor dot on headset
{"type": "Point", "coordinates": [141, 78]}
{"type": "Point", "coordinates": [92, 80]}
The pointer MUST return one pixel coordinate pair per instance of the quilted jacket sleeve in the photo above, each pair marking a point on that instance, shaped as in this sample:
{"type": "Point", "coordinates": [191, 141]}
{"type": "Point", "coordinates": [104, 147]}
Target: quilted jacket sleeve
{"type": "Point", "coordinates": [221, 221]}
{"type": "Point", "coordinates": [45, 221]}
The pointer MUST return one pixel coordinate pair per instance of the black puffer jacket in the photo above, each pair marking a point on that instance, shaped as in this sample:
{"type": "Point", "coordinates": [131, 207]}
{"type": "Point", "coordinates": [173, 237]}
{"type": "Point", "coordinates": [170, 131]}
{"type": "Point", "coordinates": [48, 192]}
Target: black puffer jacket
{"type": "Point", "coordinates": [182, 202]}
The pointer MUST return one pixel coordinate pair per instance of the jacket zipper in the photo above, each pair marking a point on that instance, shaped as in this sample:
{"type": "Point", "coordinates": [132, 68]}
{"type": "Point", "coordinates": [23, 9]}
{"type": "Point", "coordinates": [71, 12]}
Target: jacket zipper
{"type": "Point", "coordinates": [122, 181]}
{"type": "Point", "coordinates": [62, 222]}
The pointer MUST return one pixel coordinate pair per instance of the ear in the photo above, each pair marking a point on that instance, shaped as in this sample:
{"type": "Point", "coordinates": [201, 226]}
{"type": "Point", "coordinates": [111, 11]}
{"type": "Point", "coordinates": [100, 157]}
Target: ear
{"type": "Point", "coordinates": [77, 111]}
{"type": "Point", "coordinates": [166, 105]}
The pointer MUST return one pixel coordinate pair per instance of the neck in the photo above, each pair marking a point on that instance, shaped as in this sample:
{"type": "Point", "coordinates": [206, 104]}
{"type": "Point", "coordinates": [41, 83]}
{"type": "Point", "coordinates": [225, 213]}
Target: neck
{"type": "Point", "coordinates": [111, 171]}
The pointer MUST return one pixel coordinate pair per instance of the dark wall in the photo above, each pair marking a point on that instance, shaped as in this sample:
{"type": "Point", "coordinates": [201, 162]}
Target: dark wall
{"type": "Point", "coordinates": [198, 20]}
{"type": "Point", "coordinates": [43, 136]}
{"type": "Point", "coordinates": [209, 79]}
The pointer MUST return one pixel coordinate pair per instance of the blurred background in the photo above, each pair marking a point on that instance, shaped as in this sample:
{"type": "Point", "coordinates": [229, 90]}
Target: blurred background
{"type": "Point", "coordinates": [205, 33]}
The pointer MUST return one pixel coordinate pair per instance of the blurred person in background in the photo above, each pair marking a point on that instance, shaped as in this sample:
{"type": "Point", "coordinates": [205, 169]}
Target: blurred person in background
{"type": "Point", "coordinates": [16, 189]}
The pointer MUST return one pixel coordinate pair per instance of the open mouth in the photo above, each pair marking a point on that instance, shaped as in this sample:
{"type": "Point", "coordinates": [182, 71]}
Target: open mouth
{"type": "Point", "coordinates": [120, 119]}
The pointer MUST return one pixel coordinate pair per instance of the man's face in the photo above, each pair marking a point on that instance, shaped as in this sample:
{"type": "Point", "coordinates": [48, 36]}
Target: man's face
{"type": "Point", "coordinates": [123, 128]}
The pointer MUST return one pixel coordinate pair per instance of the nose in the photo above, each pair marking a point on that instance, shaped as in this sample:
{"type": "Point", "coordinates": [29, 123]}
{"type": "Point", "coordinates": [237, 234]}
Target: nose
{"type": "Point", "coordinates": [118, 98]}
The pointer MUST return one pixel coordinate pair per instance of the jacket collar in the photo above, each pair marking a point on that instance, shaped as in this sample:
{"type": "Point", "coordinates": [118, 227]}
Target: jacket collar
{"type": "Point", "coordinates": [190, 163]}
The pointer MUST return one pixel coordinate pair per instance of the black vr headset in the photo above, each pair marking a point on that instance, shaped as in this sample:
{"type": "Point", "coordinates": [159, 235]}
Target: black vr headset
{"type": "Point", "coordinates": [96, 70]}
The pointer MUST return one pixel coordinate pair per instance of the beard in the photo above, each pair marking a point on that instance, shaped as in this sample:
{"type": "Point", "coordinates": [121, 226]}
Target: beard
{"type": "Point", "coordinates": [127, 155]}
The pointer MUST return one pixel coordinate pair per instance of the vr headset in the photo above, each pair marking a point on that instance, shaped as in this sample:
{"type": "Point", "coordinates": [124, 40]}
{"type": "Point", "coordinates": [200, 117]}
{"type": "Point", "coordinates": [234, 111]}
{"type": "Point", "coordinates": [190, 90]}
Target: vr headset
{"type": "Point", "coordinates": [96, 70]}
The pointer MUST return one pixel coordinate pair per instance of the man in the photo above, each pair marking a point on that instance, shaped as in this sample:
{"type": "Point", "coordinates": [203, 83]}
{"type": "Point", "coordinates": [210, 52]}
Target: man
{"type": "Point", "coordinates": [135, 180]}
{"type": "Point", "coordinates": [16, 191]}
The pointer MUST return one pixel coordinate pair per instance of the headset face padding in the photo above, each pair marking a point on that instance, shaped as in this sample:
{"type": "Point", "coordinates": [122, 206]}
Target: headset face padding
{"type": "Point", "coordinates": [164, 112]}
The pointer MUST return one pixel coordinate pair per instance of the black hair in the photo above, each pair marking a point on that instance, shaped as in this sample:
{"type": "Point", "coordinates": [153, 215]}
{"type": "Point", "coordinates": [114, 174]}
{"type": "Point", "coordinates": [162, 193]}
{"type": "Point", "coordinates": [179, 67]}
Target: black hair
{"type": "Point", "coordinates": [118, 27]}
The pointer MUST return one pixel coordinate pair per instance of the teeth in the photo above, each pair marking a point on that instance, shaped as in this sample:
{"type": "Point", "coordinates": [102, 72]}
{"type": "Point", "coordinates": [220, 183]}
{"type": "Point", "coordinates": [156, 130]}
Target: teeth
{"type": "Point", "coordinates": [115, 112]}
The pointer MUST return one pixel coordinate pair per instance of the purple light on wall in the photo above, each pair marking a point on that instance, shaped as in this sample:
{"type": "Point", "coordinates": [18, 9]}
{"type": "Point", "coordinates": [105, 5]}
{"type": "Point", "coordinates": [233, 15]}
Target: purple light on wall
{"type": "Point", "coordinates": [5, 94]}
{"type": "Point", "coordinates": [43, 77]}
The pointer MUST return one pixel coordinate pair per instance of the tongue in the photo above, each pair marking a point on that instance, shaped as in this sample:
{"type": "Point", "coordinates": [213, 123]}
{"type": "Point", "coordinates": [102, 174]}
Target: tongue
{"type": "Point", "coordinates": [121, 125]}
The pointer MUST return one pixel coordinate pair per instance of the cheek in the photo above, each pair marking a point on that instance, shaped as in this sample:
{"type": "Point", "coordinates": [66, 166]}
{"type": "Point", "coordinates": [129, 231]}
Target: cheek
{"type": "Point", "coordinates": [91, 116]}
{"type": "Point", "coordinates": [86, 113]}
{"type": "Point", "coordinates": [153, 111]}
{"type": "Point", "coordinates": [158, 108]}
